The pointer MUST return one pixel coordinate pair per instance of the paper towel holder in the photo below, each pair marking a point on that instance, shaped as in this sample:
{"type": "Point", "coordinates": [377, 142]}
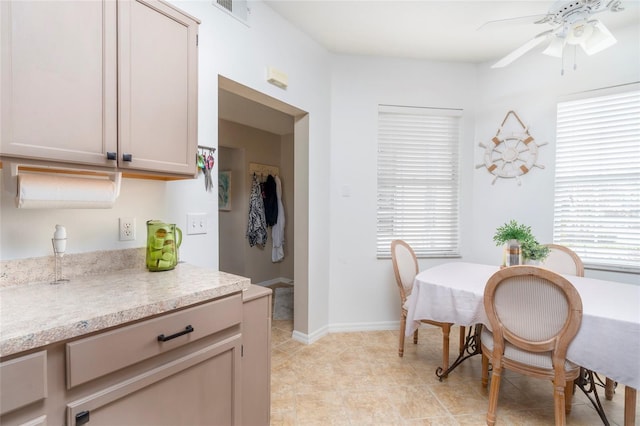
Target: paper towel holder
{"type": "Point", "coordinates": [11, 171]}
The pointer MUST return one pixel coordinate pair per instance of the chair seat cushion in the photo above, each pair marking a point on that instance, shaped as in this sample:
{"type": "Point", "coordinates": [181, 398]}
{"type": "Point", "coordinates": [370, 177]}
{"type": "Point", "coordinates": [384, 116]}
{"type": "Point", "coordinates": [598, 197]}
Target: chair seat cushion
{"type": "Point", "coordinates": [512, 353]}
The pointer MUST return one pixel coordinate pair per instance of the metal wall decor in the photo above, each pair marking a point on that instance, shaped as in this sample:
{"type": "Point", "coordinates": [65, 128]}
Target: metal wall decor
{"type": "Point", "coordinates": [511, 155]}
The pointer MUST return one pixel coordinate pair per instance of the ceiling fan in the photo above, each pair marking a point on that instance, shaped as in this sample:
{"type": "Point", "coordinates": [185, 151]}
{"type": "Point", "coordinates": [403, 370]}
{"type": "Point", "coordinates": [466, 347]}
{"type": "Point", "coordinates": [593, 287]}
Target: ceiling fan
{"type": "Point", "coordinates": [573, 25]}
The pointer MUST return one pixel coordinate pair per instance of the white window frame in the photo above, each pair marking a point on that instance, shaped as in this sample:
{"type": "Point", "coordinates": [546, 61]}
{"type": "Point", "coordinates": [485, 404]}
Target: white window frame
{"type": "Point", "coordinates": [418, 180]}
{"type": "Point", "coordinates": [597, 177]}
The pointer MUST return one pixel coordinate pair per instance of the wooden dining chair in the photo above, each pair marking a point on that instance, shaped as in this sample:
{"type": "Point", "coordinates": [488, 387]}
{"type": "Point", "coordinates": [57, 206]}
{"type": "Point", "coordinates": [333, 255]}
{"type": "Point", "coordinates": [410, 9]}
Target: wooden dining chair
{"type": "Point", "coordinates": [563, 260]}
{"type": "Point", "coordinates": [405, 267]}
{"type": "Point", "coordinates": [533, 314]}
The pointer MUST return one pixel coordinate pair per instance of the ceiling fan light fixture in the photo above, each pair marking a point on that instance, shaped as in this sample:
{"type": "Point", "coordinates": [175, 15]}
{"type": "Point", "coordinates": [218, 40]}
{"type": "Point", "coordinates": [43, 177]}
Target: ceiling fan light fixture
{"type": "Point", "coordinates": [580, 32]}
{"type": "Point", "coordinates": [600, 39]}
{"type": "Point", "coordinates": [555, 48]}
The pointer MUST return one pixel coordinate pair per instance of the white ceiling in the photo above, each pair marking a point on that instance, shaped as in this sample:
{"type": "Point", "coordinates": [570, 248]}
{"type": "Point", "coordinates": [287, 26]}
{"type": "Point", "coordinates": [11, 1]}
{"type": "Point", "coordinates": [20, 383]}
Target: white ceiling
{"type": "Point", "coordinates": [421, 29]}
{"type": "Point", "coordinates": [453, 30]}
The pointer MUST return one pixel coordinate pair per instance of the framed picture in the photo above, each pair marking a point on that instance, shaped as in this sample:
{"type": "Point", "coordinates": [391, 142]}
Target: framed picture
{"type": "Point", "coordinates": [224, 190]}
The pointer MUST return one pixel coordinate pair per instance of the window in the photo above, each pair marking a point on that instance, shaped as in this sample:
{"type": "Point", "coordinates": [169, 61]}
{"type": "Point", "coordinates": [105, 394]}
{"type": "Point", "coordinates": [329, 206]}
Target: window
{"type": "Point", "coordinates": [418, 180]}
{"type": "Point", "coordinates": [597, 183]}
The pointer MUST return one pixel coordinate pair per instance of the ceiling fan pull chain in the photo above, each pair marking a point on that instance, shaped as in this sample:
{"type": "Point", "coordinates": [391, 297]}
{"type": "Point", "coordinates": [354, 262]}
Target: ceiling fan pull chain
{"type": "Point", "coordinates": [575, 57]}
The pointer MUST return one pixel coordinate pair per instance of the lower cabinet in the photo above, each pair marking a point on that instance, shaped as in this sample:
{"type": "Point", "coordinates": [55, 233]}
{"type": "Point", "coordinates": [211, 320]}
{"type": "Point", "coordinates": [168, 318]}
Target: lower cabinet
{"type": "Point", "coordinates": [23, 387]}
{"type": "Point", "coordinates": [197, 389]}
{"type": "Point", "coordinates": [177, 369]}
{"type": "Point", "coordinates": [181, 368]}
{"type": "Point", "coordinates": [209, 364]}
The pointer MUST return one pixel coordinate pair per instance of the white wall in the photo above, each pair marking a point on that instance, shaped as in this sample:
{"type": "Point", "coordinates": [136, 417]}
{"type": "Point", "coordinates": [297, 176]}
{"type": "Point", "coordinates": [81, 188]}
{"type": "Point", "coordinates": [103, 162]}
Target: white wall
{"type": "Point", "coordinates": [242, 53]}
{"type": "Point", "coordinates": [27, 232]}
{"type": "Point", "coordinates": [363, 292]}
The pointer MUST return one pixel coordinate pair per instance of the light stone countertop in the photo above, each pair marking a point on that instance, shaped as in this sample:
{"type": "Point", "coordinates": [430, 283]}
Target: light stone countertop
{"type": "Point", "coordinates": [38, 314]}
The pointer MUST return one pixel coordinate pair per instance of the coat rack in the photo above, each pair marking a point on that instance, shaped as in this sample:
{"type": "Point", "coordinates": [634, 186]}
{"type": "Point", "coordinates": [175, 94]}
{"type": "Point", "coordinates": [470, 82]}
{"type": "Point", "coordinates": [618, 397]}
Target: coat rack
{"type": "Point", "coordinates": [263, 170]}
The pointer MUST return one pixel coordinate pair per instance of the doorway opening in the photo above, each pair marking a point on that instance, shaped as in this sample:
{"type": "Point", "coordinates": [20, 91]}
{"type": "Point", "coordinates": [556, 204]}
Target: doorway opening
{"type": "Point", "coordinates": [256, 129]}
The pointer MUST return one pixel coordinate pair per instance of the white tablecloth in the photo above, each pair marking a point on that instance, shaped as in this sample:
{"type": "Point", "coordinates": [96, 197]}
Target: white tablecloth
{"type": "Point", "coordinates": [608, 341]}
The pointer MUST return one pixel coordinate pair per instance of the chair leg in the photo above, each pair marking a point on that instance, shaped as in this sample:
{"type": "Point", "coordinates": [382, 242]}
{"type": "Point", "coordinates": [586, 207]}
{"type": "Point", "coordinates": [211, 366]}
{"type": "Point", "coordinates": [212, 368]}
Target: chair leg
{"type": "Point", "coordinates": [559, 403]}
{"type": "Point", "coordinates": [630, 396]}
{"type": "Point", "coordinates": [609, 389]}
{"type": "Point", "coordinates": [568, 396]}
{"type": "Point", "coordinates": [462, 332]}
{"type": "Point", "coordinates": [446, 331]}
{"type": "Point", "coordinates": [485, 370]}
{"type": "Point", "coordinates": [403, 325]}
{"type": "Point", "coordinates": [415, 337]}
{"type": "Point", "coordinates": [493, 394]}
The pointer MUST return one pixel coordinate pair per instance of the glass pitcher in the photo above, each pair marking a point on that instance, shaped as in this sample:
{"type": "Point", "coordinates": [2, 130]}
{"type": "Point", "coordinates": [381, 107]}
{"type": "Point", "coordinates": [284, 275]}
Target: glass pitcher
{"type": "Point", "coordinates": [163, 242]}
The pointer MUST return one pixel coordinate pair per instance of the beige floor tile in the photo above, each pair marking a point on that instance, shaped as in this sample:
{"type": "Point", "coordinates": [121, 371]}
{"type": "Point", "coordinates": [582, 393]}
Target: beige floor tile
{"type": "Point", "coordinates": [358, 379]}
{"type": "Point", "coordinates": [371, 407]}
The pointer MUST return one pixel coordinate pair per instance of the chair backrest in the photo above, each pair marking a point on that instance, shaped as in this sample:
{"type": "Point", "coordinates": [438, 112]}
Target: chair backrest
{"type": "Point", "coordinates": [563, 260]}
{"type": "Point", "coordinates": [405, 267]}
{"type": "Point", "coordinates": [534, 309]}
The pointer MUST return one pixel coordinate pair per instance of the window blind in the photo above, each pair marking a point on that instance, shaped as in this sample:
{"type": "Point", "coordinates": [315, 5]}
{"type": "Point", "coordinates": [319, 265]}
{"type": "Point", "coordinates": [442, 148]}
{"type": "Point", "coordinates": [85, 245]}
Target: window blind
{"type": "Point", "coordinates": [597, 182]}
{"type": "Point", "coordinates": [418, 180]}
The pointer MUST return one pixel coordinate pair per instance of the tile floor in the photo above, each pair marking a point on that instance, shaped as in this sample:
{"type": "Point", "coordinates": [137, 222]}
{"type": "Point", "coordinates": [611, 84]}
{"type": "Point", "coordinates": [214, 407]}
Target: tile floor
{"type": "Point", "coordinates": [358, 379]}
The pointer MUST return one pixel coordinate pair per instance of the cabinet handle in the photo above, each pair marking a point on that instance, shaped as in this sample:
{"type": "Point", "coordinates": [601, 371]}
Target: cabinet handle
{"type": "Point", "coordinates": [127, 157]}
{"type": "Point", "coordinates": [112, 156]}
{"type": "Point", "coordinates": [163, 338]}
{"type": "Point", "coordinates": [82, 418]}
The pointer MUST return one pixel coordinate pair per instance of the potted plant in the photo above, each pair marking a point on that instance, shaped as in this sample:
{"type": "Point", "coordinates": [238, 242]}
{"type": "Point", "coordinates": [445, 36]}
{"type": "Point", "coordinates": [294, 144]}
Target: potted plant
{"type": "Point", "coordinates": [533, 252]}
{"type": "Point", "coordinates": [512, 235]}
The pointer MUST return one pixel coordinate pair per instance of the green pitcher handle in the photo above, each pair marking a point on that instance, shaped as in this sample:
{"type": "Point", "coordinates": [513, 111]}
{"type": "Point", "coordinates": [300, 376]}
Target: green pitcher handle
{"type": "Point", "coordinates": [179, 237]}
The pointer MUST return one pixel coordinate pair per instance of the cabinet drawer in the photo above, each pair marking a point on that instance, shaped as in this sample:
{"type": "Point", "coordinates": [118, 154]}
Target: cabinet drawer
{"type": "Point", "coordinates": [104, 353]}
{"type": "Point", "coordinates": [24, 380]}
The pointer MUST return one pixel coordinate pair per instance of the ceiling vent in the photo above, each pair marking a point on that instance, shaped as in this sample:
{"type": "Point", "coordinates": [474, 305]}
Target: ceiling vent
{"type": "Point", "coordinates": [236, 8]}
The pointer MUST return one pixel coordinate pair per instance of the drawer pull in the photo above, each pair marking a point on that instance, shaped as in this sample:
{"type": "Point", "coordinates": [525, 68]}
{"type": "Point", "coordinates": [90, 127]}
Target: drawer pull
{"type": "Point", "coordinates": [127, 157]}
{"type": "Point", "coordinates": [111, 156]}
{"type": "Point", "coordinates": [163, 338]}
{"type": "Point", "coordinates": [82, 418]}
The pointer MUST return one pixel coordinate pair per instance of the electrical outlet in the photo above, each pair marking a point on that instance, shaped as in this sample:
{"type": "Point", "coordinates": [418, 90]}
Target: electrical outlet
{"type": "Point", "coordinates": [196, 223]}
{"type": "Point", "coordinates": [127, 228]}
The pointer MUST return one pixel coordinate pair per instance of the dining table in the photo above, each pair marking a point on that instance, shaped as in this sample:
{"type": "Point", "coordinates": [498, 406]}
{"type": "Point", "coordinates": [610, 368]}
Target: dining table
{"type": "Point", "coordinates": [608, 341]}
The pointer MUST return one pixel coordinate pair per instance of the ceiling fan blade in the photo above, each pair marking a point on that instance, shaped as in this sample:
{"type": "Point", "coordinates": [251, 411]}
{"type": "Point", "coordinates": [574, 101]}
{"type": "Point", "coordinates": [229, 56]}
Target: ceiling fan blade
{"type": "Point", "coordinates": [540, 38]}
{"type": "Point", "coordinates": [518, 19]}
{"type": "Point", "coordinates": [600, 39]}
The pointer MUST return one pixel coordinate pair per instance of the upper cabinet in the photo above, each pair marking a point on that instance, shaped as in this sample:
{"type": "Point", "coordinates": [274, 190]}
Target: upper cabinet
{"type": "Point", "coordinates": [108, 84]}
{"type": "Point", "coordinates": [157, 87]}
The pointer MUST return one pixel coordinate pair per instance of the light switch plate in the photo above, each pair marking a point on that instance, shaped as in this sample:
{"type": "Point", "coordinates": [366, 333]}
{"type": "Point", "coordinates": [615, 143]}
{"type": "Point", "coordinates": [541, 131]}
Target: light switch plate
{"type": "Point", "coordinates": [197, 223]}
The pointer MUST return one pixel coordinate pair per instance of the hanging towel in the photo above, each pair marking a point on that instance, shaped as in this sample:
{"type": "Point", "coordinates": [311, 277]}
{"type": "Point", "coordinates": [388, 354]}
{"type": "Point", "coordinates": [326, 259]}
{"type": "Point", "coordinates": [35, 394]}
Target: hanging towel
{"type": "Point", "coordinates": [277, 231]}
{"type": "Point", "coordinates": [270, 201]}
{"type": "Point", "coordinates": [256, 226]}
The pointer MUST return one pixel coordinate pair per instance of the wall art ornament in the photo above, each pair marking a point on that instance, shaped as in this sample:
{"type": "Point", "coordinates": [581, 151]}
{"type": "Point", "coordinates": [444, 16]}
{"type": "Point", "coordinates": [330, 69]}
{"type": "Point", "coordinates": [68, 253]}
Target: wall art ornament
{"type": "Point", "coordinates": [512, 152]}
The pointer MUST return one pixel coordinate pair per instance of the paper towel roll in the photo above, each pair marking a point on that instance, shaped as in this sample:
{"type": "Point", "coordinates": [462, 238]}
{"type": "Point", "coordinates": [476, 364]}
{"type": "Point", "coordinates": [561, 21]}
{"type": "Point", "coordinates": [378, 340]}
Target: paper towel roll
{"type": "Point", "coordinates": [51, 191]}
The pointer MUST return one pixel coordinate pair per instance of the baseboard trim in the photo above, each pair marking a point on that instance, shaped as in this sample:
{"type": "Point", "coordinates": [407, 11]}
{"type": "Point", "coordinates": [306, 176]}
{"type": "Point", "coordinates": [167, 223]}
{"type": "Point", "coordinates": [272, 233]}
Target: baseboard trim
{"type": "Point", "coordinates": [364, 326]}
{"type": "Point", "coordinates": [308, 339]}
{"type": "Point", "coordinates": [344, 328]}
{"type": "Point", "coordinates": [275, 281]}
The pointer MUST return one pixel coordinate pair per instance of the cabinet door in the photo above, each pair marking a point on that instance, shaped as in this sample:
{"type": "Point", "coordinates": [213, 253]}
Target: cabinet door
{"type": "Point", "coordinates": [157, 53]}
{"type": "Point", "coordinates": [58, 84]}
{"type": "Point", "coordinates": [201, 388]}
